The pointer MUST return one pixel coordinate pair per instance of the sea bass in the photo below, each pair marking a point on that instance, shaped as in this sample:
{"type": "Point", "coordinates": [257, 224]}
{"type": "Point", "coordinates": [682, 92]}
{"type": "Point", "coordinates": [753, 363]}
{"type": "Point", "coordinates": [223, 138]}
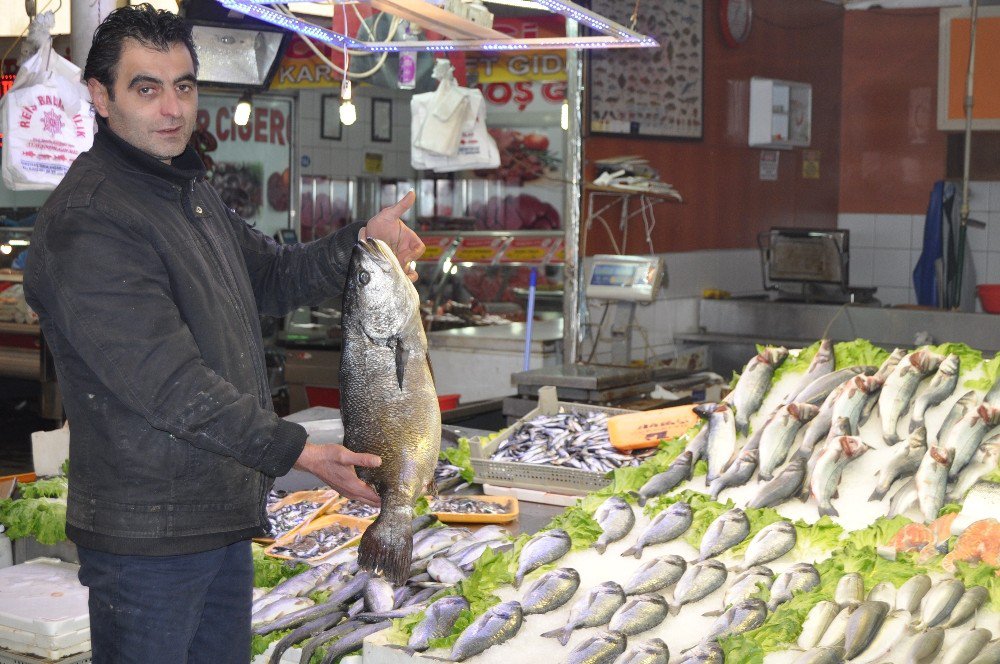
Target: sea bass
{"type": "Point", "coordinates": [941, 387]}
{"type": "Point", "coordinates": [721, 444]}
{"type": "Point", "coordinates": [899, 388]}
{"type": "Point", "coordinates": [776, 441]}
{"type": "Point", "coordinates": [966, 435]}
{"type": "Point", "coordinates": [904, 462]}
{"type": "Point", "coordinates": [388, 402]}
{"type": "Point", "coordinates": [829, 468]}
{"type": "Point", "coordinates": [753, 385]}
{"type": "Point", "coordinates": [932, 481]}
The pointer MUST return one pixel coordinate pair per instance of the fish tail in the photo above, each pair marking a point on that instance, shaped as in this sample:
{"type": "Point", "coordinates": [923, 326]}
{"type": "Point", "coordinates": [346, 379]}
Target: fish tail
{"type": "Point", "coordinates": [639, 498]}
{"type": "Point", "coordinates": [742, 428]}
{"type": "Point", "coordinates": [601, 546]}
{"type": "Point", "coordinates": [766, 475]}
{"type": "Point", "coordinates": [518, 579]}
{"type": "Point", "coordinates": [387, 546]}
{"type": "Point", "coordinates": [673, 608]}
{"type": "Point", "coordinates": [633, 551]}
{"type": "Point", "coordinates": [828, 510]}
{"type": "Point", "coordinates": [877, 494]}
{"type": "Point", "coordinates": [713, 614]}
{"type": "Point", "coordinates": [563, 634]}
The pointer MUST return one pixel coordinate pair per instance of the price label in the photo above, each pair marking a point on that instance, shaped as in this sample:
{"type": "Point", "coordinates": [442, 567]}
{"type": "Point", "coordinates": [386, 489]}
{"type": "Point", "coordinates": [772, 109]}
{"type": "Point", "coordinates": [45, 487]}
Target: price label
{"type": "Point", "coordinates": [479, 249]}
{"type": "Point", "coordinates": [528, 250]}
{"type": "Point", "coordinates": [435, 248]}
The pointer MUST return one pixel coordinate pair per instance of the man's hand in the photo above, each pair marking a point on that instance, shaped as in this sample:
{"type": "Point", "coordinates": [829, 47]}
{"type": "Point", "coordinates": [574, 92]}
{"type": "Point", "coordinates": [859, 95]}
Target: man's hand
{"type": "Point", "coordinates": [334, 464]}
{"type": "Point", "coordinates": [388, 227]}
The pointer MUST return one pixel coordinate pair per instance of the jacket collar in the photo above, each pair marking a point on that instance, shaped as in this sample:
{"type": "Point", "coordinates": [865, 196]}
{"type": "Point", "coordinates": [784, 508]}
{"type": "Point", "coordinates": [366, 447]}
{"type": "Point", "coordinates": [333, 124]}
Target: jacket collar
{"type": "Point", "coordinates": [185, 168]}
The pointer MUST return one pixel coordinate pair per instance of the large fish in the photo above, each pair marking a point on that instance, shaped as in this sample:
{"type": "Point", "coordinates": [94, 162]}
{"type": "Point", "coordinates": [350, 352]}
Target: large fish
{"type": "Point", "coordinates": [966, 404]}
{"type": "Point", "coordinates": [904, 462]}
{"type": "Point", "coordinates": [966, 435]}
{"type": "Point", "coordinates": [941, 386]}
{"type": "Point", "coordinates": [821, 365]}
{"type": "Point", "coordinates": [829, 468]}
{"type": "Point", "coordinates": [932, 481]}
{"type": "Point", "coordinates": [721, 444]}
{"type": "Point", "coordinates": [776, 441]}
{"type": "Point", "coordinates": [899, 388]}
{"type": "Point", "coordinates": [817, 391]}
{"type": "Point", "coordinates": [388, 401]}
{"type": "Point", "coordinates": [753, 385]}
{"type": "Point", "coordinates": [851, 403]}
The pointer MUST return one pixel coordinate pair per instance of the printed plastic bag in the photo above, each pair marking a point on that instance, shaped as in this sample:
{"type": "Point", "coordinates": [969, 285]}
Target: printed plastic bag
{"type": "Point", "coordinates": [47, 121]}
{"type": "Point", "coordinates": [476, 148]}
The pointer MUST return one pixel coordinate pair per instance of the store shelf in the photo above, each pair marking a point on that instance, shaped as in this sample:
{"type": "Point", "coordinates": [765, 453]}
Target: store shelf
{"type": "Point", "coordinates": [19, 328]}
{"type": "Point", "coordinates": [16, 277]}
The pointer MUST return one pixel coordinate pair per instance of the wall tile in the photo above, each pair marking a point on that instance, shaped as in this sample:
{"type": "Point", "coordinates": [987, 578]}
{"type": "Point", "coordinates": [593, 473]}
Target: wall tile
{"type": "Point", "coordinates": [893, 231]}
{"type": "Point", "coordinates": [992, 268]}
{"type": "Point", "coordinates": [993, 223]}
{"type": "Point", "coordinates": [862, 262]}
{"type": "Point", "coordinates": [861, 226]}
{"type": "Point", "coordinates": [978, 238]}
{"type": "Point", "coordinates": [891, 267]}
{"type": "Point", "coordinates": [995, 197]}
{"type": "Point", "coordinates": [917, 236]}
{"type": "Point", "coordinates": [980, 267]}
{"type": "Point", "coordinates": [979, 196]}
{"type": "Point", "coordinates": [892, 296]}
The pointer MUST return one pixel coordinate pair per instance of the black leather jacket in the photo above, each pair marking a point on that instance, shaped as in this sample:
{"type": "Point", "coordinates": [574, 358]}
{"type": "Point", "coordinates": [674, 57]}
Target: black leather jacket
{"type": "Point", "coordinates": [148, 291]}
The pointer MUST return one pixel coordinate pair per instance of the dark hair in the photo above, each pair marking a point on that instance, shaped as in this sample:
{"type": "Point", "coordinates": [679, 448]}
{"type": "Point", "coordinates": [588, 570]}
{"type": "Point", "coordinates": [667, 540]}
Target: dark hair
{"type": "Point", "coordinates": [153, 28]}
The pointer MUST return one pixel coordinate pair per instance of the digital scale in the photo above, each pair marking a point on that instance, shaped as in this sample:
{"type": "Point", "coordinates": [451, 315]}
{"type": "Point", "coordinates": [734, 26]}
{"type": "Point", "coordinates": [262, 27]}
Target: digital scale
{"type": "Point", "coordinates": [625, 278]}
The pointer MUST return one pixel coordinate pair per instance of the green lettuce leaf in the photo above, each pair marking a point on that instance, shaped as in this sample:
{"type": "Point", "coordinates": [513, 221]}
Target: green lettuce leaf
{"type": "Point", "coordinates": [461, 456]}
{"type": "Point", "coordinates": [797, 363]}
{"type": "Point", "coordinates": [991, 372]}
{"type": "Point", "coordinates": [269, 572]}
{"type": "Point", "coordinates": [260, 643]}
{"type": "Point", "coordinates": [580, 525]}
{"type": "Point", "coordinates": [49, 487]}
{"type": "Point", "coordinates": [878, 534]}
{"type": "Point", "coordinates": [981, 574]}
{"type": "Point", "coordinates": [859, 352]}
{"type": "Point", "coordinates": [993, 476]}
{"type": "Point", "coordinates": [969, 358]}
{"type": "Point", "coordinates": [41, 518]}
{"type": "Point", "coordinates": [822, 536]}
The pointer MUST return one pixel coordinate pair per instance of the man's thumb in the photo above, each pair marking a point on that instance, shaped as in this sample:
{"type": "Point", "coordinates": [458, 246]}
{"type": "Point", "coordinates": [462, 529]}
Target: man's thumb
{"type": "Point", "coordinates": [404, 203]}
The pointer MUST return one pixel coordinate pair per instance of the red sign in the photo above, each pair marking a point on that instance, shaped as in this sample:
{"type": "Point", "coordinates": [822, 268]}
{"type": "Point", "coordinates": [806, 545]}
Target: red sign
{"type": "Point", "coordinates": [479, 250]}
{"type": "Point", "coordinates": [435, 248]}
{"type": "Point", "coordinates": [528, 249]}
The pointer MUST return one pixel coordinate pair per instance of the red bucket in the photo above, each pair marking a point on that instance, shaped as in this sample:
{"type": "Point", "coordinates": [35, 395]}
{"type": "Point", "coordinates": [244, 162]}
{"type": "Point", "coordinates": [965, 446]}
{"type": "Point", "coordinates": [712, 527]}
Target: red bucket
{"type": "Point", "coordinates": [989, 297]}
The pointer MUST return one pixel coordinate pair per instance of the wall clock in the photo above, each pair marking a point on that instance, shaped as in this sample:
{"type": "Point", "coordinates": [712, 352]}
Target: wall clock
{"type": "Point", "coordinates": [735, 17]}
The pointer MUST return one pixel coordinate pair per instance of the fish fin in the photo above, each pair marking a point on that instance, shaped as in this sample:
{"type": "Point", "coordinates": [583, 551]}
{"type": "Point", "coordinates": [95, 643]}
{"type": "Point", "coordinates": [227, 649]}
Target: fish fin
{"type": "Point", "coordinates": [877, 494]}
{"type": "Point", "coordinates": [712, 614]}
{"type": "Point", "coordinates": [402, 355]}
{"type": "Point", "coordinates": [828, 511]}
{"type": "Point", "coordinates": [673, 609]}
{"type": "Point", "coordinates": [639, 500]}
{"type": "Point", "coordinates": [633, 551]}
{"type": "Point", "coordinates": [563, 634]}
{"type": "Point", "coordinates": [387, 545]}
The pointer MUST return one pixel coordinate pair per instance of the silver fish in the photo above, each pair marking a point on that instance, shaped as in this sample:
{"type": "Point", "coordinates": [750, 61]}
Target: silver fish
{"type": "Point", "coordinates": [545, 547]}
{"type": "Point", "coordinates": [603, 647]}
{"type": "Point", "coordinates": [616, 518]}
{"type": "Point", "coordinates": [818, 390]}
{"type": "Point", "coordinates": [738, 473]}
{"type": "Point", "coordinates": [816, 623]}
{"type": "Point", "coordinates": [439, 619]}
{"type": "Point", "coordinates": [840, 427]}
{"type": "Point", "coordinates": [657, 574]}
{"type": "Point", "coordinates": [445, 571]}
{"type": "Point", "coordinates": [924, 647]}
{"type": "Point", "coordinates": [819, 428]}
{"type": "Point", "coordinates": [851, 403]}
{"type": "Point", "coordinates": [698, 581]}
{"type": "Point", "coordinates": [378, 595]}
{"type": "Point", "coordinates": [669, 524]}
{"type": "Point", "coordinates": [990, 654]}
{"type": "Point", "coordinates": [883, 592]}
{"type": "Point", "coordinates": [899, 388]}
{"type": "Point", "coordinates": [753, 385]}
{"type": "Point", "coordinates": [800, 577]}
{"type": "Point", "coordinates": [904, 462]}
{"type": "Point", "coordinates": [280, 607]}
{"type": "Point", "coordinates": [911, 594]}
{"type": "Point", "coordinates": [729, 529]}
{"type": "Point", "coordinates": [770, 543]}
{"type": "Point", "coordinates": [965, 405]}
{"type": "Point", "coordinates": [986, 458]}
{"type": "Point", "coordinates": [932, 481]}
{"type": "Point", "coordinates": [862, 627]}
{"type": "Point", "coordinates": [821, 365]}
{"type": "Point", "coordinates": [785, 484]}
{"type": "Point", "coordinates": [435, 540]}
{"type": "Point", "coordinates": [964, 438]}
{"type": "Point", "coordinates": [904, 498]}
{"type": "Point", "coordinates": [890, 363]}
{"type": "Point", "coordinates": [389, 404]}
{"type": "Point", "coordinates": [821, 655]}
{"type": "Point", "coordinates": [939, 602]}
{"type": "Point", "coordinates": [721, 444]}
{"type": "Point", "coordinates": [968, 647]}
{"type": "Point", "coordinates": [972, 600]}
{"type": "Point", "coordinates": [777, 438]}
{"type": "Point", "coordinates": [592, 610]}
{"type": "Point", "coordinates": [550, 591]}
{"type": "Point", "coordinates": [739, 618]}
{"type": "Point", "coordinates": [704, 653]}
{"type": "Point", "coordinates": [679, 471]}
{"type": "Point", "coordinates": [653, 651]}
{"type": "Point", "coordinates": [941, 387]}
{"type": "Point", "coordinates": [829, 468]}
{"type": "Point", "coordinates": [500, 623]}
{"type": "Point", "coordinates": [302, 584]}
{"type": "Point", "coordinates": [850, 590]}
{"type": "Point", "coordinates": [745, 586]}
{"type": "Point", "coordinates": [836, 633]}
{"type": "Point", "coordinates": [639, 614]}
{"type": "Point", "coordinates": [697, 445]}
{"type": "Point", "coordinates": [895, 627]}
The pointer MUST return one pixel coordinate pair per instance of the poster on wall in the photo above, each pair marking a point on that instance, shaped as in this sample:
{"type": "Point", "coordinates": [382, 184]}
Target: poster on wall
{"type": "Point", "coordinates": [249, 166]}
{"type": "Point", "coordinates": [655, 93]}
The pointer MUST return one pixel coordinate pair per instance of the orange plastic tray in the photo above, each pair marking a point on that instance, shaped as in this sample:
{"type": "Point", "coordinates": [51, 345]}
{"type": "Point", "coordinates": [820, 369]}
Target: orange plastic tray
{"type": "Point", "coordinates": [318, 524]}
{"type": "Point", "coordinates": [510, 502]}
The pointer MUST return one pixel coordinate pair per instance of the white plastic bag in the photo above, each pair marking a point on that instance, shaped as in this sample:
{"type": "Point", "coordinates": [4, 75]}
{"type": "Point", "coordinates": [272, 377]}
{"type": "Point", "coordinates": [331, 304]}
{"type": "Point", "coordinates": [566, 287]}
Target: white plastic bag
{"type": "Point", "coordinates": [47, 121]}
{"type": "Point", "coordinates": [476, 148]}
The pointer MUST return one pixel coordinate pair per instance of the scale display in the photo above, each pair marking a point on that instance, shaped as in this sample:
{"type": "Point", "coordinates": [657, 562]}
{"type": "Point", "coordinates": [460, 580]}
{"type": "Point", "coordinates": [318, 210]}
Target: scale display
{"type": "Point", "coordinates": [632, 278]}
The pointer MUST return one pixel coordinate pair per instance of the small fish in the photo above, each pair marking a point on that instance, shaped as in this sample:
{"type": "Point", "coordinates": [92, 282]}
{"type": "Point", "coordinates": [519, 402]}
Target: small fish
{"type": "Point", "coordinates": [655, 575]}
{"type": "Point", "coordinates": [550, 591]}
{"type": "Point", "coordinates": [972, 600]}
{"type": "Point", "coordinates": [826, 475]}
{"type": "Point", "coordinates": [653, 651]}
{"type": "Point", "coordinates": [821, 655]}
{"type": "Point", "coordinates": [753, 385]}
{"type": "Point", "coordinates": [899, 388]}
{"type": "Point", "coordinates": [445, 571]}
{"type": "Point", "coordinates": [911, 594]}
{"type": "Point", "coordinates": [816, 623]}
{"type": "Point", "coordinates": [679, 471]}
{"type": "Point", "coordinates": [739, 618]}
{"type": "Point", "coordinates": [817, 392]}
{"type": "Point", "coordinates": [895, 627]}
{"type": "Point", "coordinates": [836, 634]}
{"type": "Point", "coordinates": [941, 387]}
{"type": "Point", "coordinates": [965, 405]}
{"type": "Point", "coordinates": [721, 444]}
{"type": "Point", "coordinates": [439, 619]}
{"type": "Point", "coordinates": [821, 365]}
{"type": "Point", "coordinates": [968, 647]}
{"type": "Point", "coordinates": [604, 647]}
{"type": "Point", "coordinates": [592, 610]}
{"type": "Point", "coordinates": [729, 529]}
{"type": "Point", "coordinates": [704, 653]}
{"type": "Point", "coordinates": [500, 623]}
{"type": "Point", "coordinates": [850, 590]}
{"type": "Point", "coordinates": [545, 547]}
{"type": "Point", "coordinates": [738, 473]}
{"type": "Point", "coordinates": [967, 434]}
{"type": "Point", "coordinates": [904, 498]}
{"type": "Point", "coordinates": [779, 433]}
{"type": "Point", "coordinates": [800, 577]}
{"type": "Point", "coordinates": [883, 592]}
{"type": "Point", "coordinates": [770, 543]}
{"type": "Point", "coordinates": [639, 614]}
{"type": "Point", "coordinates": [745, 586]}
{"type": "Point", "coordinates": [904, 462]}
{"type": "Point", "coordinates": [699, 580]}
{"type": "Point", "coordinates": [851, 403]}
{"type": "Point", "coordinates": [932, 481]}
{"type": "Point", "coordinates": [669, 524]}
{"type": "Point", "coordinates": [925, 647]}
{"type": "Point", "coordinates": [939, 602]}
{"type": "Point", "coordinates": [990, 654]}
{"type": "Point", "coordinates": [616, 518]}
{"type": "Point", "coordinates": [786, 484]}
{"type": "Point", "coordinates": [862, 627]}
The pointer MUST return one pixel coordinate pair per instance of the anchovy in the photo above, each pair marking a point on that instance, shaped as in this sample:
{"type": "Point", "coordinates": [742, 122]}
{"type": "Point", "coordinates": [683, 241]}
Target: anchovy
{"type": "Point", "coordinates": [357, 509]}
{"type": "Point", "coordinates": [545, 547]}
{"type": "Point", "coordinates": [602, 648]}
{"type": "Point", "coordinates": [800, 577]}
{"type": "Point", "coordinates": [499, 624]}
{"type": "Point", "coordinates": [883, 592]}
{"type": "Point", "coordinates": [779, 433]}
{"type": "Point", "coordinates": [932, 481]}
{"type": "Point", "coordinates": [966, 435]}
{"type": "Point", "coordinates": [466, 505]}
{"type": "Point", "coordinates": [911, 594]}
{"type": "Point", "coordinates": [968, 647]}
{"type": "Point", "coordinates": [965, 405]}
{"type": "Point", "coordinates": [899, 388]}
{"type": "Point", "coordinates": [972, 600]}
{"type": "Point", "coordinates": [302, 584]}
{"type": "Point", "coordinates": [850, 590]}
{"type": "Point", "coordinates": [283, 519]}
{"type": "Point", "coordinates": [698, 581]}
{"type": "Point", "coordinates": [616, 518]}
{"type": "Point", "coordinates": [592, 610]}
{"type": "Point", "coordinates": [925, 647]}
{"type": "Point", "coordinates": [654, 651]}
{"type": "Point", "coordinates": [739, 618]}
{"type": "Point", "coordinates": [669, 524]}
{"type": "Point", "coordinates": [784, 485]}
{"type": "Point", "coordinates": [816, 623]}
{"type": "Point", "coordinates": [550, 591]}
{"type": "Point", "coordinates": [895, 626]}
{"type": "Point", "coordinates": [308, 630]}
{"type": "Point", "coordinates": [679, 471]}
{"type": "Point", "coordinates": [738, 473]}
{"type": "Point", "coordinates": [639, 614]}
{"type": "Point", "coordinates": [904, 462]}
{"type": "Point", "coordinates": [770, 543]}
{"type": "Point", "coordinates": [753, 385]}
{"type": "Point", "coordinates": [657, 574]}
{"type": "Point", "coordinates": [830, 467]}
{"type": "Point", "coordinates": [941, 387]}
{"type": "Point", "coordinates": [862, 627]}
{"type": "Point", "coordinates": [721, 444]}
{"type": "Point", "coordinates": [939, 602]}
{"type": "Point", "coordinates": [439, 619]}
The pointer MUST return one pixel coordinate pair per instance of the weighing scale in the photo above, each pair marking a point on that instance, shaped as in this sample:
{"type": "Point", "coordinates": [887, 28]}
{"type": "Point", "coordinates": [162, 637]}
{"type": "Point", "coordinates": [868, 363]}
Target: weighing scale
{"type": "Point", "coordinates": [623, 281]}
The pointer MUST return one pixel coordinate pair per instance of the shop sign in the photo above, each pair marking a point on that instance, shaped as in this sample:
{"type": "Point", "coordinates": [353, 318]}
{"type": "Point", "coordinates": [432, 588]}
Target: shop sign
{"type": "Point", "coordinates": [558, 256]}
{"type": "Point", "coordinates": [509, 67]}
{"type": "Point", "coordinates": [300, 67]}
{"type": "Point", "coordinates": [479, 250]}
{"type": "Point", "coordinates": [249, 165]}
{"type": "Point", "coordinates": [528, 250]}
{"type": "Point", "coordinates": [435, 247]}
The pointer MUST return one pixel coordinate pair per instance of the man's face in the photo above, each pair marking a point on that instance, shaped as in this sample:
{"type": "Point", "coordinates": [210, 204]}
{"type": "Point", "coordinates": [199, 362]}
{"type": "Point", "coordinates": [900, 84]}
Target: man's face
{"type": "Point", "coordinates": [155, 99]}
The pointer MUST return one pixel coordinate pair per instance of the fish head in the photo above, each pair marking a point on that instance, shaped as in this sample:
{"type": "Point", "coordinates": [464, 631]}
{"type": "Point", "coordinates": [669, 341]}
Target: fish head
{"type": "Point", "coordinates": [925, 361]}
{"type": "Point", "coordinates": [989, 415]}
{"type": "Point", "coordinates": [377, 291]}
{"type": "Point", "coordinates": [704, 410]}
{"type": "Point", "coordinates": [918, 438]}
{"type": "Point", "coordinates": [803, 412]}
{"type": "Point", "coordinates": [774, 355]}
{"type": "Point", "coordinates": [852, 446]}
{"type": "Point", "coordinates": [951, 365]}
{"type": "Point", "coordinates": [942, 455]}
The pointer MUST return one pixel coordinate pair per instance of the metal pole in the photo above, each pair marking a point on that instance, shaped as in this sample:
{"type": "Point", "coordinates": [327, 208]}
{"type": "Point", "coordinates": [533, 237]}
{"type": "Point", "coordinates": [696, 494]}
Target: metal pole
{"type": "Point", "coordinates": [572, 272]}
{"type": "Point", "coordinates": [964, 214]}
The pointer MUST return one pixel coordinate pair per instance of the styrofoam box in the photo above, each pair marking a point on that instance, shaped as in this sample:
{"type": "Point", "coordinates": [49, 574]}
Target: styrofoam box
{"type": "Point", "coordinates": [19, 636]}
{"type": "Point", "coordinates": [50, 654]}
{"type": "Point", "coordinates": [43, 596]}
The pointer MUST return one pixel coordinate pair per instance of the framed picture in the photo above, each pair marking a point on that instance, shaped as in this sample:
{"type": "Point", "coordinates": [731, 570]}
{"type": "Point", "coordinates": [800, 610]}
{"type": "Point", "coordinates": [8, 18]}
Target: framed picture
{"type": "Point", "coordinates": [329, 125]}
{"type": "Point", "coordinates": [652, 93]}
{"type": "Point", "coordinates": [381, 120]}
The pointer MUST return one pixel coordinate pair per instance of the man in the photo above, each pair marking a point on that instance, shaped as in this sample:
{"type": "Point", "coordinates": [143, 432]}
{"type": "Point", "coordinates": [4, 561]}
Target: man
{"type": "Point", "coordinates": [148, 290]}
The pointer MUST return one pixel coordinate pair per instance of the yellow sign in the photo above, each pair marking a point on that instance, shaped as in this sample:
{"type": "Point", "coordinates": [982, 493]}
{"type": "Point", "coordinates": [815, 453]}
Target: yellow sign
{"type": "Point", "coordinates": [810, 164]}
{"type": "Point", "coordinates": [525, 254]}
{"type": "Point", "coordinates": [475, 254]}
{"type": "Point", "coordinates": [373, 163]}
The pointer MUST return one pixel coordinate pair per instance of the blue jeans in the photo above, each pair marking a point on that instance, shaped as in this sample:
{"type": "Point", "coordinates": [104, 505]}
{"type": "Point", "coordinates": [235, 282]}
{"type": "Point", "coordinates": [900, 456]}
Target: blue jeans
{"type": "Point", "coordinates": [182, 609]}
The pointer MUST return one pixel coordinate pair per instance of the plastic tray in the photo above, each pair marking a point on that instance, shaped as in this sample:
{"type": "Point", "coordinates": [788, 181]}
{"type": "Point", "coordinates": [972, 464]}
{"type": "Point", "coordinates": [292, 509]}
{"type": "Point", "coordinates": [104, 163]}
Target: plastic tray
{"type": "Point", "coordinates": [317, 524]}
{"type": "Point", "coordinates": [334, 507]}
{"type": "Point", "coordinates": [538, 476]}
{"type": "Point", "coordinates": [510, 502]}
{"type": "Point", "coordinates": [327, 496]}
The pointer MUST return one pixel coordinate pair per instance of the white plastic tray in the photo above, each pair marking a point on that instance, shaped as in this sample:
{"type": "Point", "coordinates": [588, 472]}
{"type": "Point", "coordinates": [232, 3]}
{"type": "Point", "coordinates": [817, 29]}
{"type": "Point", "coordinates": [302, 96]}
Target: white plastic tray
{"type": "Point", "coordinates": [43, 596]}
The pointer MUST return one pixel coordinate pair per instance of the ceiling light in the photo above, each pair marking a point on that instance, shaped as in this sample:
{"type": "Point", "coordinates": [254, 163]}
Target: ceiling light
{"type": "Point", "coordinates": [237, 57]}
{"type": "Point", "coordinates": [6, 249]}
{"type": "Point", "coordinates": [348, 113]}
{"type": "Point", "coordinates": [242, 113]}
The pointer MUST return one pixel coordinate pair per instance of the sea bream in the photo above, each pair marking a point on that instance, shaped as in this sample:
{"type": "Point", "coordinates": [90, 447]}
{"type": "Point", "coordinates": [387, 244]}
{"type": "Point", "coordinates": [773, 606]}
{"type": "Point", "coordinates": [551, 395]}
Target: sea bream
{"type": "Point", "coordinates": [966, 435]}
{"type": "Point", "coordinates": [616, 518]}
{"type": "Point", "coordinates": [726, 531]}
{"type": "Point", "coordinates": [592, 610]}
{"type": "Point", "coordinates": [653, 651]}
{"type": "Point", "coordinates": [669, 524]}
{"type": "Point", "coordinates": [899, 388]}
{"type": "Point", "coordinates": [903, 462]}
{"type": "Point", "coordinates": [389, 405]}
{"type": "Point", "coordinates": [752, 386]}
{"type": "Point", "coordinates": [721, 444]}
{"type": "Point", "coordinates": [786, 484]}
{"type": "Point", "coordinates": [770, 543]}
{"type": "Point", "coordinates": [780, 432]}
{"type": "Point", "coordinates": [680, 469]}
{"type": "Point", "coordinates": [941, 387]}
{"type": "Point", "coordinates": [835, 456]}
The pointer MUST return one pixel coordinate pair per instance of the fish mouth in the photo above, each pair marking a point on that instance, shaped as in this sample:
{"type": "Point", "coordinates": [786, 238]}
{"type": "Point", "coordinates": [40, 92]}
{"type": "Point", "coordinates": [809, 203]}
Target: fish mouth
{"type": "Point", "coordinates": [375, 248]}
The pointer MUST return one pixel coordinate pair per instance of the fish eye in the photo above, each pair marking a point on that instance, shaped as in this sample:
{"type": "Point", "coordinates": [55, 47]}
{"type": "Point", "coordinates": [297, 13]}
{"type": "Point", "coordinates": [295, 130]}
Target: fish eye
{"type": "Point", "coordinates": [364, 277]}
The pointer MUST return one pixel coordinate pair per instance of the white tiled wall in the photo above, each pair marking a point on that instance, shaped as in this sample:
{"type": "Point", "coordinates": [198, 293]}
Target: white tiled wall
{"type": "Point", "coordinates": [885, 247]}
